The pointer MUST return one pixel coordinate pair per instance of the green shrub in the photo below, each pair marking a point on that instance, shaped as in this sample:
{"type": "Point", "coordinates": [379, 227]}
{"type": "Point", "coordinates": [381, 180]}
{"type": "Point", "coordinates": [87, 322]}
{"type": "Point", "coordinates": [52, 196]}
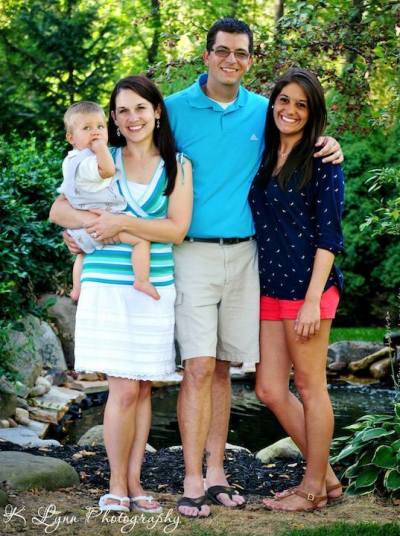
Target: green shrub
{"type": "Point", "coordinates": [373, 448]}
{"type": "Point", "coordinates": [33, 258]}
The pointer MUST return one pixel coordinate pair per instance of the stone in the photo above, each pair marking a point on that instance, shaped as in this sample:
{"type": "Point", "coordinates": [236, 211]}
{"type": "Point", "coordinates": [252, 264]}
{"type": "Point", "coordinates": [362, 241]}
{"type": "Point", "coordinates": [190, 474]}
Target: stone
{"type": "Point", "coordinates": [36, 345]}
{"type": "Point", "coordinates": [22, 403]}
{"type": "Point", "coordinates": [88, 387]}
{"type": "Point", "coordinates": [380, 369]}
{"type": "Point", "coordinates": [94, 437]}
{"type": "Point", "coordinates": [22, 471]}
{"type": "Point", "coordinates": [59, 398]}
{"type": "Point", "coordinates": [366, 361]}
{"type": "Point", "coordinates": [22, 416]}
{"type": "Point", "coordinates": [284, 448]}
{"type": "Point", "coordinates": [229, 446]}
{"type": "Point", "coordinates": [40, 428]}
{"type": "Point", "coordinates": [25, 437]}
{"type": "Point", "coordinates": [342, 353]}
{"type": "Point", "coordinates": [357, 380]}
{"type": "Point", "coordinates": [41, 387]}
{"type": "Point", "coordinates": [8, 399]}
{"type": "Point", "coordinates": [3, 498]}
{"type": "Point", "coordinates": [38, 390]}
{"type": "Point", "coordinates": [87, 376]}
{"type": "Point", "coordinates": [63, 314]}
{"type": "Point", "coordinates": [49, 416]}
{"type": "Point", "coordinates": [12, 423]}
{"type": "Point", "coordinates": [4, 423]}
{"type": "Point", "coordinates": [57, 376]}
{"type": "Point", "coordinates": [21, 389]}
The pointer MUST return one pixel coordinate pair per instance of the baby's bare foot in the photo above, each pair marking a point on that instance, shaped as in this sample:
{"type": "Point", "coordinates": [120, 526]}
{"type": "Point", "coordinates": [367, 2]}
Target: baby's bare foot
{"type": "Point", "coordinates": [147, 288]}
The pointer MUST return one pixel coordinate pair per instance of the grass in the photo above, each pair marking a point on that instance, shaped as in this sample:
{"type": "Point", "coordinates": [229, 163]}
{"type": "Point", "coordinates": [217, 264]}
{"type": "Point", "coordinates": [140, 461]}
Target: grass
{"type": "Point", "coordinates": [348, 529]}
{"type": "Point", "coordinates": [357, 334]}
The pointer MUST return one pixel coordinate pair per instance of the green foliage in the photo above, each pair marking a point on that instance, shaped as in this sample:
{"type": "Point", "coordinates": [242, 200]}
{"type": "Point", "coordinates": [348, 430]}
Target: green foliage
{"type": "Point", "coordinates": [68, 52]}
{"type": "Point", "coordinates": [386, 217]}
{"type": "Point", "coordinates": [33, 258]}
{"type": "Point", "coordinates": [371, 266]}
{"type": "Point", "coordinates": [357, 334]}
{"type": "Point", "coordinates": [373, 451]}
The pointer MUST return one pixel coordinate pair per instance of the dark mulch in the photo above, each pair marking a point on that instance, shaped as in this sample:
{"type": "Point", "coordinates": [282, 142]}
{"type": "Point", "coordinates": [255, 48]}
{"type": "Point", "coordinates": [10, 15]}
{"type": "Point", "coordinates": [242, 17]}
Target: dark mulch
{"type": "Point", "coordinates": [163, 470]}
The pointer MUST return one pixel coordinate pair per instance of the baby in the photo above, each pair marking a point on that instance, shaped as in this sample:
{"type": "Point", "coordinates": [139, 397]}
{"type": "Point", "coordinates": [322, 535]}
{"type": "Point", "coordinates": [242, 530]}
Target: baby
{"type": "Point", "coordinates": [89, 183]}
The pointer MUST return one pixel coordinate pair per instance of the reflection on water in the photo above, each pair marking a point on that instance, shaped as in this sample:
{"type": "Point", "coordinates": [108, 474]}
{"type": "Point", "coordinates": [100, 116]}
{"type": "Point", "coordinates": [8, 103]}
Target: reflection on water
{"type": "Point", "coordinates": [251, 424]}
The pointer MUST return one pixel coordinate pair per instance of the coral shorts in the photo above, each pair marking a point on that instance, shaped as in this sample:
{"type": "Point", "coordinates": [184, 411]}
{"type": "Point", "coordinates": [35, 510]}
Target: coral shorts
{"type": "Point", "coordinates": [276, 309]}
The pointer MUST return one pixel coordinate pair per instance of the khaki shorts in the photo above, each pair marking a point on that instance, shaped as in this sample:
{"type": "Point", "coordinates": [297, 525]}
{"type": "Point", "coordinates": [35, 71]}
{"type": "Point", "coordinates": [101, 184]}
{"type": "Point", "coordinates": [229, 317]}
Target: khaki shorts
{"type": "Point", "coordinates": [218, 301]}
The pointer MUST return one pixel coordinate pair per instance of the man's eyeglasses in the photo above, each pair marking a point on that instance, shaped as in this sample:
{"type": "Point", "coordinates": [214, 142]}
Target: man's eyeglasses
{"type": "Point", "coordinates": [223, 52]}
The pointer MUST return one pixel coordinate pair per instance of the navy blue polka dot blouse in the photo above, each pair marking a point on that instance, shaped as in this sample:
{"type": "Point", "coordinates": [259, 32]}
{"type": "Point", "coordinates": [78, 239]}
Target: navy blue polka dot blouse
{"type": "Point", "coordinates": [291, 225]}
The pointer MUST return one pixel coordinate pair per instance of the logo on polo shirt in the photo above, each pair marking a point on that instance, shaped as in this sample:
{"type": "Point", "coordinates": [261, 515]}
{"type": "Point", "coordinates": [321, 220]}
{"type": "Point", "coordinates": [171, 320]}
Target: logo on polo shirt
{"type": "Point", "coordinates": [253, 137]}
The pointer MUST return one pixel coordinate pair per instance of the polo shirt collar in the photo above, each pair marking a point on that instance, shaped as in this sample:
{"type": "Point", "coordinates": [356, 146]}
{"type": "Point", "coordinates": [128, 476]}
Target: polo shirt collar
{"type": "Point", "coordinates": [198, 99]}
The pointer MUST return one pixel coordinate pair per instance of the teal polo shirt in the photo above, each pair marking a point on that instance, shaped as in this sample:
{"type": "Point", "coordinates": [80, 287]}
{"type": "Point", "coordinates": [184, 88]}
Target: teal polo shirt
{"type": "Point", "coordinates": [225, 148]}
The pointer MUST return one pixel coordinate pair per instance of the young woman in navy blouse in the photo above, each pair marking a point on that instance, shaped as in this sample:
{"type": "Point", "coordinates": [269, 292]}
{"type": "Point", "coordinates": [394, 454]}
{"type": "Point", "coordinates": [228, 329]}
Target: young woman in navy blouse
{"type": "Point", "coordinates": [297, 203]}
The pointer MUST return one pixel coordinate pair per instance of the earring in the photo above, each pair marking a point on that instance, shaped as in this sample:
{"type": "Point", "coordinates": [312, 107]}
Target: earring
{"type": "Point", "coordinates": [272, 106]}
{"type": "Point", "coordinates": [118, 132]}
{"type": "Point", "coordinates": [158, 122]}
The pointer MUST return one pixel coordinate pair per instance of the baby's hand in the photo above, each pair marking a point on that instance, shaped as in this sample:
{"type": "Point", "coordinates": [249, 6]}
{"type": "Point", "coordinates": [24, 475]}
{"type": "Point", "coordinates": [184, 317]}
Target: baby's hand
{"type": "Point", "coordinates": [98, 144]}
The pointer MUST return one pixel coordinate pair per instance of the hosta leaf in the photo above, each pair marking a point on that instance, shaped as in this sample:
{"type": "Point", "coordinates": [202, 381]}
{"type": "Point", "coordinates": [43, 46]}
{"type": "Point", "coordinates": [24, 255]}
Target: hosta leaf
{"type": "Point", "coordinates": [353, 470]}
{"type": "Point", "coordinates": [366, 457]}
{"type": "Point", "coordinates": [397, 429]}
{"type": "Point", "coordinates": [397, 410]}
{"type": "Point", "coordinates": [353, 490]}
{"type": "Point", "coordinates": [374, 433]}
{"type": "Point", "coordinates": [347, 451]}
{"type": "Point", "coordinates": [366, 490]}
{"type": "Point", "coordinates": [341, 439]}
{"type": "Point", "coordinates": [396, 445]}
{"type": "Point", "coordinates": [392, 480]}
{"type": "Point", "coordinates": [385, 457]}
{"type": "Point", "coordinates": [356, 426]}
{"type": "Point", "coordinates": [367, 477]}
{"type": "Point", "coordinates": [374, 418]}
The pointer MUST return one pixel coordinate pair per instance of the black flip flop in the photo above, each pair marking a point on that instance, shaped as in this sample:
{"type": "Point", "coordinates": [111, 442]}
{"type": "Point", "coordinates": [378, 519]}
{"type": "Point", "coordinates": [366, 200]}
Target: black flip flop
{"type": "Point", "coordinates": [213, 491]}
{"type": "Point", "coordinates": [192, 503]}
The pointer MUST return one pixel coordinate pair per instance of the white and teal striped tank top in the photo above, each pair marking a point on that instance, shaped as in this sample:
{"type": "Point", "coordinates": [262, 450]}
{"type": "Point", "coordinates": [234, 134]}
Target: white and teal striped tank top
{"type": "Point", "coordinates": [112, 264]}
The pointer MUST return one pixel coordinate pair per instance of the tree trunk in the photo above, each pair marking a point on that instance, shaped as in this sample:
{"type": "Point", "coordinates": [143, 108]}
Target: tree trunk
{"type": "Point", "coordinates": [156, 23]}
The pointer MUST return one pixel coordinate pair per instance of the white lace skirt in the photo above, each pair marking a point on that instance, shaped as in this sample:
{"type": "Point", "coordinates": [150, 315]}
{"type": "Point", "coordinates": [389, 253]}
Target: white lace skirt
{"type": "Point", "coordinates": [125, 333]}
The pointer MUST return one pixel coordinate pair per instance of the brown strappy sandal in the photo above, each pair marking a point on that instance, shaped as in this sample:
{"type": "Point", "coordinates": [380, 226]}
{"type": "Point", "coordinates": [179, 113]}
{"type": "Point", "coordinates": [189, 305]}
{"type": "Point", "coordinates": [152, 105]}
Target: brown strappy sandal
{"type": "Point", "coordinates": [331, 500]}
{"type": "Point", "coordinates": [315, 500]}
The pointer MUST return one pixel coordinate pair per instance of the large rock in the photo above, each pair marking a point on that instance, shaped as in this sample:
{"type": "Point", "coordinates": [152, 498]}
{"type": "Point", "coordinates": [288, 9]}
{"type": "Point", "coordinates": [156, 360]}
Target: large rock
{"type": "Point", "coordinates": [284, 448]}
{"type": "Point", "coordinates": [94, 437]}
{"type": "Point", "coordinates": [36, 346]}
{"type": "Point", "coordinates": [366, 361]}
{"type": "Point", "coordinates": [23, 436]}
{"type": "Point", "coordinates": [342, 353]}
{"type": "Point", "coordinates": [381, 369]}
{"type": "Point", "coordinates": [23, 471]}
{"type": "Point", "coordinates": [8, 399]}
{"type": "Point", "coordinates": [63, 314]}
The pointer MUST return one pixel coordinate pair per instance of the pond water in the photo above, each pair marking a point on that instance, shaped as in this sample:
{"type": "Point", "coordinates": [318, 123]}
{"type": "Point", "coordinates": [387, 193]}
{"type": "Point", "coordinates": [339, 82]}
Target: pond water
{"type": "Point", "coordinates": [252, 425]}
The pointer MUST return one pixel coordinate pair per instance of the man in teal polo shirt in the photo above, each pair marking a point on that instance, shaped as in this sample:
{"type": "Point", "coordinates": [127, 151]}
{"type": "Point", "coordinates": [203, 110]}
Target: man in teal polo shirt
{"type": "Point", "coordinates": [219, 125]}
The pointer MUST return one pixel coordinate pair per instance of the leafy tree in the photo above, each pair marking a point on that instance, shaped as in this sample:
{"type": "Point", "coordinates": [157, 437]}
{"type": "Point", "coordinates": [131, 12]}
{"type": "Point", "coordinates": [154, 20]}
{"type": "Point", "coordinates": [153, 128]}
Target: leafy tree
{"type": "Point", "coordinates": [54, 54]}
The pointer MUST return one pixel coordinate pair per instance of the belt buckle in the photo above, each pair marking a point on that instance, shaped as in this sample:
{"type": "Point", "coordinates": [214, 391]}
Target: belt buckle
{"type": "Point", "coordinates": [221, 241]}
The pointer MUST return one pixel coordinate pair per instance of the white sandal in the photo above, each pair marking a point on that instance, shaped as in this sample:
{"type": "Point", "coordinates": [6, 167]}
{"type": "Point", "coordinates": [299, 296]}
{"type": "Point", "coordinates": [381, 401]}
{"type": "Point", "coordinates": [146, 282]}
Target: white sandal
{"type": "Point", "coordinates": [112, 507]}
{"type": "Point", "coordinates": [147, 498]}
